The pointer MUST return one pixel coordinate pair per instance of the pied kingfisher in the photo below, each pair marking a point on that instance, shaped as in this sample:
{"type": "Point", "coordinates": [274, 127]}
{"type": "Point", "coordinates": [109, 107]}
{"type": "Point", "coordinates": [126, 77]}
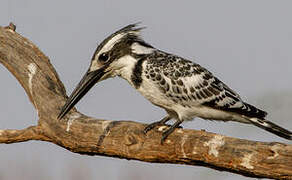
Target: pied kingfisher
{"type": "Point", "coordinates": [183, 88]}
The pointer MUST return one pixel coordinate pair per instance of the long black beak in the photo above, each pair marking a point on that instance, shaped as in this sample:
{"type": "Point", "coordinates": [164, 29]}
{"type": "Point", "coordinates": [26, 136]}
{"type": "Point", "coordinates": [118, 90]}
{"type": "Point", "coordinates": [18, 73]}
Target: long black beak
{"type": "Point", "coordinates": [86, 83]}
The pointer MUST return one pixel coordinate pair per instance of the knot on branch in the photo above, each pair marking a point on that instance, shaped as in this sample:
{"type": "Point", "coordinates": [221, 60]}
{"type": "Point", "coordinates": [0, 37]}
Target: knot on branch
{"type": "Point", "coordinates": [11, 26]}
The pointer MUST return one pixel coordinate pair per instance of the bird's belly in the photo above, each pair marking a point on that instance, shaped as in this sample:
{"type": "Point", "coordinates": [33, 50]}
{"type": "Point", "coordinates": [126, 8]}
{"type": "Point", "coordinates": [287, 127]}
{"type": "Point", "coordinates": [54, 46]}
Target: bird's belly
{"type": "Point", "coordinates": [152, 93]}
{"type": "Point", "coordinates": [188, 113]}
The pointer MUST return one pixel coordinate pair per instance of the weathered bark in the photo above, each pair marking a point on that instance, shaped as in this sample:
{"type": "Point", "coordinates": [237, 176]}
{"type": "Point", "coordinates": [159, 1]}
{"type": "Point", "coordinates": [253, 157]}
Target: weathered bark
{"type": "Point", "coordinates": [125, 139]}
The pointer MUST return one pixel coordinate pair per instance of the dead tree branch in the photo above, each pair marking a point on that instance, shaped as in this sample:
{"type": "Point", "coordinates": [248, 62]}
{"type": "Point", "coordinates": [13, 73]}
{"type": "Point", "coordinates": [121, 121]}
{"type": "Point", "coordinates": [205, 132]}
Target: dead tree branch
{"type": "Point", "coordinates": [125, 139]}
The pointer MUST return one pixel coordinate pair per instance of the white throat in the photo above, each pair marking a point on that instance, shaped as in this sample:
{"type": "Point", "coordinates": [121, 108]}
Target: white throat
{"type": "Point", "coordinates": [125, 66]}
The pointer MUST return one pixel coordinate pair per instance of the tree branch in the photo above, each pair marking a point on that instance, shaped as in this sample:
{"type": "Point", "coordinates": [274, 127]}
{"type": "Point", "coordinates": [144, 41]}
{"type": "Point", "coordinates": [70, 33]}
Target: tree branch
{"type": "Point", "coordinates": [13, 135]}
{"type": "Point", "coordinates": [125, 139]}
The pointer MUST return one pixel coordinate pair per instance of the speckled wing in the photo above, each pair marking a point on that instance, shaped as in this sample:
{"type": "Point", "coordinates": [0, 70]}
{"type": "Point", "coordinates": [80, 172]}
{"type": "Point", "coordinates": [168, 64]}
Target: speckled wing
{"type": "Point", "coordinates": [190, 84]}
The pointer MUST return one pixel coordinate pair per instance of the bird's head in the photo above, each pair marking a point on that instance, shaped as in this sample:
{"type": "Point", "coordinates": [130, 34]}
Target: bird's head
{"type": "Point", "coordinates": [112, 56]}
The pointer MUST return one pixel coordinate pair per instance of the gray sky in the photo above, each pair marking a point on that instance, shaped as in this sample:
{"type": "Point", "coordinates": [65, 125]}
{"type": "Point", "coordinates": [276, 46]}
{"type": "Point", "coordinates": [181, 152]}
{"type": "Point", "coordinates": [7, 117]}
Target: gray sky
{"type": "Point", "coordinates": [246, 43]}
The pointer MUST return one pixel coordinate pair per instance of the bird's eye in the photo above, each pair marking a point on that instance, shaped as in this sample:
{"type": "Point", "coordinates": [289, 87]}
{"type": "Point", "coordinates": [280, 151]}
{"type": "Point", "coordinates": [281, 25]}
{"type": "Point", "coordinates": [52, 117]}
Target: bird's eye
{"type": "Point", "coordinates": [103, 57]}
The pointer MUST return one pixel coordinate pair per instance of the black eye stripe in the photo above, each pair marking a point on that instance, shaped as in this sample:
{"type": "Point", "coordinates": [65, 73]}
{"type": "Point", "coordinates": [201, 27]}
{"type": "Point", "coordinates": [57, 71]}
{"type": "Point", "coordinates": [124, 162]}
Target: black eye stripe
{"type": "Point", "coordinates": [103, 57]}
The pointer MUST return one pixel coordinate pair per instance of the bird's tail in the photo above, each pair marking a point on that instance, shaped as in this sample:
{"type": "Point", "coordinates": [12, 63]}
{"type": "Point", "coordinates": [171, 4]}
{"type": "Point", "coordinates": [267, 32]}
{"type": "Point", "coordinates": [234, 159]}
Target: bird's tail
{"type": "Point", "coordinates": [271, 127]}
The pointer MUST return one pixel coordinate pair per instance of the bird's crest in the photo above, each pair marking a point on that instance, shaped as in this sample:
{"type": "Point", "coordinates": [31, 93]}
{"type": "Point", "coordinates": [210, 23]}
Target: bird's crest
{"type": "Point", "coordinates": [131, 31]}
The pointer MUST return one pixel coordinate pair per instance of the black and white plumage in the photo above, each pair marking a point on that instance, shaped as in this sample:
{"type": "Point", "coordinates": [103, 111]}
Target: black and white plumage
{"type": "Point", "coordinates": [183, 88]}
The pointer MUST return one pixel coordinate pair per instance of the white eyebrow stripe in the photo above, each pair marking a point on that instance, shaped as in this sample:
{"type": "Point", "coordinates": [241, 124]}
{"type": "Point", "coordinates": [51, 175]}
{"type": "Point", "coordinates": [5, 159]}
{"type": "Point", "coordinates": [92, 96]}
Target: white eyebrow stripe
{"type": "Point", "coordinates": [110, 44]}
{"type": "Point", "coordinates": [140, 49]}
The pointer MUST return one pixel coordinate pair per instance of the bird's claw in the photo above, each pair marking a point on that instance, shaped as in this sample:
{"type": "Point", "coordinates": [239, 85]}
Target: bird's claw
{"type": "Point", "coordinates": [151, 126]}
{"type": "Point", "coordinates": [163, 138]}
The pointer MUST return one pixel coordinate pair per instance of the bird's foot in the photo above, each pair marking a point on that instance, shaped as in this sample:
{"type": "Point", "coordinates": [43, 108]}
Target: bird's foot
{"type": "Point", "coordinates": [158, 123]}
{"type": "Point", "coordinates": [153, 125]}
{"type": "Point", "coordinates": [167, 132]}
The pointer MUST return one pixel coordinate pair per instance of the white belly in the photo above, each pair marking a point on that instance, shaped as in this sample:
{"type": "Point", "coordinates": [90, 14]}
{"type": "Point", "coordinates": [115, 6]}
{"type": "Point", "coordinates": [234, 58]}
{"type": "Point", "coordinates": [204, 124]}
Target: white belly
{"type": "Point", "coordinates": [151, 92]}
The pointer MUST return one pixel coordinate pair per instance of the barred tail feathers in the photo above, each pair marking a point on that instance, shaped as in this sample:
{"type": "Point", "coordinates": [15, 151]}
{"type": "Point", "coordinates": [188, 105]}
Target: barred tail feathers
{"type": "Point", "coordinates": [271, 127]}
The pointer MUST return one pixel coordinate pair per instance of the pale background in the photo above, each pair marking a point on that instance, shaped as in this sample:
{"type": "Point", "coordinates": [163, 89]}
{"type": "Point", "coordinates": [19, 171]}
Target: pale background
{"type": "Point", "coordinates": [247, 44]}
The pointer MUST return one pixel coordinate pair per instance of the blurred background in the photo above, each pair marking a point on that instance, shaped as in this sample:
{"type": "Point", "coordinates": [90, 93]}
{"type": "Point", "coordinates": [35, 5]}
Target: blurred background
{"type": "Point", "coordinates": [247, 44]}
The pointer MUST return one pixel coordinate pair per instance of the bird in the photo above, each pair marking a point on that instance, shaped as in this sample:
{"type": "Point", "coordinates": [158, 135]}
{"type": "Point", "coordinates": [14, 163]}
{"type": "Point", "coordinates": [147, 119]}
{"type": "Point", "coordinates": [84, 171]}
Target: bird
{"type": "Point", "coordinates": [183, 88]}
